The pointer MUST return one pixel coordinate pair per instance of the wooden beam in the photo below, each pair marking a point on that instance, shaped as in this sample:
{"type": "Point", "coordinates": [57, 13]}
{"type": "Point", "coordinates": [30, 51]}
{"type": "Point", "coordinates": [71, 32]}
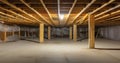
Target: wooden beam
{"type": "Point", "coordinates": [70, 32]}
{"type": "Point", "coordinates": [74, 32]}
{"type": "Point", "coordinates": [52, 21]}
{"type": "Point", "coordinates": [107, 16]}
{"type": "Point", "coordinates": [13, 6]}
{"type": "Point", "coordinates": [25, 34]}
{"type": "Point", "coordinates": [10, 16]}
{"type": "Point", "coordinates": [113, 18]}
{"type": "Point", "coordinates": [73, 5]}
{"type": "Point", "coordinates": [45, 20]}
{"type": "Point", "coordinates": [102, 6]}
{"type": "Point", "coordinates": [41, 33]}
{"type": "Point", "coordinates": [10, 20]}
{"type": "Point", "coordinates": [82, 19]}
{"type": "Point", "coordinates": [112, 22]}
{"type": "Point", "coordinates": [49, 32]}
{"type": "Point", "coordinates": [4, 35]}
{"type": "Point", "coordinates": [7, 14]}
{"type": "Point", "coordinates": [19, 33]}
{"type": "Point", "coordinates": [13, 33]}
{"type": "Point", "coordinates": [118, 6]}
{"type": "Point", "coordinates": [115, 13]}
{"type": "Point", "coordinates": [91, 31]}
{"type": "Point", "coordinates": [28, 33]}
{"type": "Point", "coordinates": [87, 6]}
{"type": "Point", "coordinates": [26, 19]}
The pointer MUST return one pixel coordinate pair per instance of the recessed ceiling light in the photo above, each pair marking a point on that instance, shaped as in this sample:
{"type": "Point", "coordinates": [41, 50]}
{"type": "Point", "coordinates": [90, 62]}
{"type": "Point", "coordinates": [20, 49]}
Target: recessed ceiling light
{"type": "Point", "coordinates": [61, 16]}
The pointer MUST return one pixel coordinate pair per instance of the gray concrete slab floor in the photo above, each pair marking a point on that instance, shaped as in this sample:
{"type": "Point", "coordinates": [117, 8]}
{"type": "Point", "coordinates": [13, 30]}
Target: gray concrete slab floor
{"type": "Point", "coordinates": [60, 51]}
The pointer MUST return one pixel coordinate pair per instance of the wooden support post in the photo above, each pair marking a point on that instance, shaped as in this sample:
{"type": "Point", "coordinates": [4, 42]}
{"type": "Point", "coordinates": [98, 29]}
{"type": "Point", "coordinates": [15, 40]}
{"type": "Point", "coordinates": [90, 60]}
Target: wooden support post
{"type": "Point", "coordinates": [25, 34]}
{"type": "Point", "coordinates": [28, 33]}
{"type": "Point", "coordinates": [91, 31]}
{"type": "Point", "coordinates": [19, 33]}
{"type": "Point", "coordinates": [13, 33]}
{"type": "Point", "coordinates": [49, 32]}
{"type": "Point", "coordinates": [32, 34]}
{"type": "Point", "coordinates": [4, 36]}
{"type": "Point", "coordinates": [70, 32]}
{"type": "Point", "coordinates": [75, 32]}
{"type": "Point", "coordinates": [41, 32]}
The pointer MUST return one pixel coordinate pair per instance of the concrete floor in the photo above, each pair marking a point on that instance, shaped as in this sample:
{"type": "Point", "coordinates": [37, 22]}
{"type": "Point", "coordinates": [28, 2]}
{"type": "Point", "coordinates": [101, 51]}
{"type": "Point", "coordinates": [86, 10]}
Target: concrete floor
{"type": "Point", "coordinates": [60, 51]}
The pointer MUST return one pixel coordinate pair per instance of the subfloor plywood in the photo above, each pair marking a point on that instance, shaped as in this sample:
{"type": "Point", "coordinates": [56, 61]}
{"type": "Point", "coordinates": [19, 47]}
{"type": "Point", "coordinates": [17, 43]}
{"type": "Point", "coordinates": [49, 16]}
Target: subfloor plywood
{"type": "Point", "coordinates": [60, 51]}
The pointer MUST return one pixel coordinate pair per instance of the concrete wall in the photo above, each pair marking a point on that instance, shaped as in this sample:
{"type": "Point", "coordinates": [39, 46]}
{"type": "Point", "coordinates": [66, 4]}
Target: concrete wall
{"type": "Point", "coordinates": [29, 32]}
{"type": "Point", "coordinates": [111, 32]}
{"type": "Point", "coordinates": [9, 29]}
{"type": "Point", "coordinates": [60, 32]}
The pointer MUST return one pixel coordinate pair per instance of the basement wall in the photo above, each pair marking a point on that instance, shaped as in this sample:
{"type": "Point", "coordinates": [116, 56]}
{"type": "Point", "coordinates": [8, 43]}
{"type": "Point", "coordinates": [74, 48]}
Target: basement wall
{"type": "Point", "coordinates": [29, 32]}
{"type": "Point", "coordinates": [9, 30]}
{"type": "Point", "coordinates": [111, 32]}
{"type": "Point", "coordinates": [60, 32]}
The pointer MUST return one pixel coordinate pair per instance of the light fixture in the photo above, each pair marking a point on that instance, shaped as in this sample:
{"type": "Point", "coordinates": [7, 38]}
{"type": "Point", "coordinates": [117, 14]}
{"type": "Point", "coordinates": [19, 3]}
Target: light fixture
{"type": "Point", "coordinates": [61, 16]}
{"type": "Point", "coordinates": [1, 21]}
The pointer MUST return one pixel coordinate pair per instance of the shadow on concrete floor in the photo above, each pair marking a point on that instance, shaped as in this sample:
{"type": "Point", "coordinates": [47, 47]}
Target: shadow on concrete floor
{"type": "Point", "coordinates": [108, 48]}
{"type": "Point", "coordinates": [33, 41]}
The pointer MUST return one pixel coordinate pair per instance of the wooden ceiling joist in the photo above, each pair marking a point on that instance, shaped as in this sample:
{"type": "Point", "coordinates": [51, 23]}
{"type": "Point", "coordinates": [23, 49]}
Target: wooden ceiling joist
{"type": "Point", "coordinates": [6, 14]}
{"type": "Point", "coordinates": [13, 6]}
{"type": "Point", "coordinates": [52, 21]}
{"type": "Point", "coordinates": [49, 12]}
{"type": "Point", "coordinates": [118, 6]}
{"type": "Point", "coordinates": [117, 21]}
{"type": "Point", "coordinates": [87, 6]}
{"type": "Point", "coordinates": [114, 18]}
{"type": "Point", "coordinates": [12, 17]}
{"type": "Point", "coordinates": [80, 21]}
{"type": "Point", "coordinates": [102, 6]}
{"type": "Point", "coordinates": [108, 15]}
{"type": "Point", "coordinates": [73, 5]}
{"type": "Point", "coordinates": [45, 20]}
{"type": "Point", "coordinates": [26, 19]}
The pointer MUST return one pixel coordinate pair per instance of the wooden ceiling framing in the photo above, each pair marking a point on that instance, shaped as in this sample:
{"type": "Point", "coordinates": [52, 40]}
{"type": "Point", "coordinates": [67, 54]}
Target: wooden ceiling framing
{"type": "Point", "coordinates": [33, 12]}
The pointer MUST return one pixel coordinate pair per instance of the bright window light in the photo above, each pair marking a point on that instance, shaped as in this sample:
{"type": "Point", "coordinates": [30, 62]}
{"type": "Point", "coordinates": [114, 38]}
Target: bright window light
{"type": "Point", "coordinates": [61, 16]}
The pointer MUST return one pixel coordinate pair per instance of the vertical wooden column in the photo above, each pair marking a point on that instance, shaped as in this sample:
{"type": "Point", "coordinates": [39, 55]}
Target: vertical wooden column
{"type": "Point", "coordinates": [70, 32]}
{"type": "Point", "coordinates": [28, 33]}
{"type": "Point", "coordinates": [41, 33]}
{"type": "Point", "coordinates": [19, 33]}
{"type": "Point", "coordinates": [13, 33]}
{"type": "Point", "coordinates": [75, 32]}
{"type": "Point", "coordinates": [25, 34]}
{"type": "Point", "coordinates": [4, 36]}
{"type": "Point", "coordinates": [49, 32]}
{"type": "Point", "coordinates": [91, 31]}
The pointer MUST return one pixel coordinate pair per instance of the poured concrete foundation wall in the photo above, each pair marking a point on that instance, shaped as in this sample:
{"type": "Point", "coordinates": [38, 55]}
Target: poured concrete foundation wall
{"type": "Point", "coordinates": [82, 32]}
{"type": "Point", "coordinates": [60, 32]}
{"type": "Point", "coordinates": [112, 32]}
{"type": "Point", "coordinates": [12, 32]}
{"type": "Point", "coordinates": [29, 32]}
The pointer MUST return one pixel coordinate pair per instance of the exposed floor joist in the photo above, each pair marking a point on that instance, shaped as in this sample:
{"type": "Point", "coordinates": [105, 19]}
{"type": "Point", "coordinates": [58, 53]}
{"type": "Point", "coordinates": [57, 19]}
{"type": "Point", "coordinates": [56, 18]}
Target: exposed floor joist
{"type": "Point", "coordinates": [74, 11]}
